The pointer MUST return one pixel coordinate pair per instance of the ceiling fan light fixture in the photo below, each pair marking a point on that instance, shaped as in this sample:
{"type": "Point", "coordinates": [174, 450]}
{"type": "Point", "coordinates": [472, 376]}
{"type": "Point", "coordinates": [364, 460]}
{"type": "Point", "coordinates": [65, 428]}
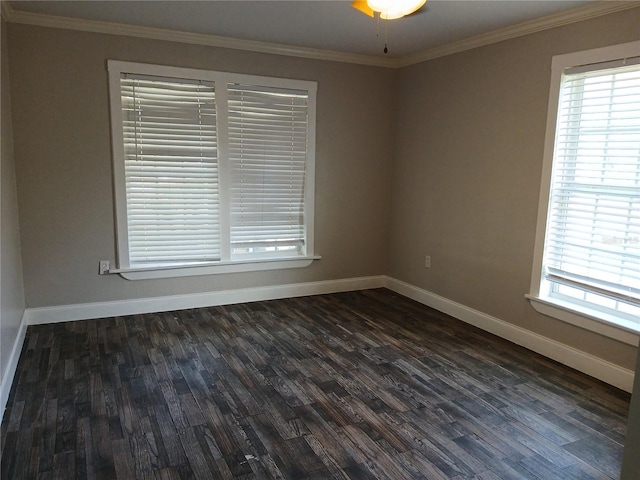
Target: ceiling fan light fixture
{"type": "Point", "coordinates": [392, 9]}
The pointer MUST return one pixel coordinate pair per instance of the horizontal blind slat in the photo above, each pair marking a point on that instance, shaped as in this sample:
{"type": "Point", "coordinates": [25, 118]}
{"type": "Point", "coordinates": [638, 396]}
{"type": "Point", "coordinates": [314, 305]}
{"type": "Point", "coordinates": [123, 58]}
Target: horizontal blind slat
{"type": "Point", "coordinates": [267, 148]}
{"type": "Point", "coordinates": [594, 224]}
{"type": "Point", "coordinates": [171, 172]}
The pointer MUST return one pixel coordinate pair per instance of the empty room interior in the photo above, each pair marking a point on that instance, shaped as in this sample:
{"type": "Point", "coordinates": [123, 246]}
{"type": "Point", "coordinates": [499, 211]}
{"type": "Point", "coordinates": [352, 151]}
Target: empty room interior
{"type": "Point", "coordinates": [302, 240]}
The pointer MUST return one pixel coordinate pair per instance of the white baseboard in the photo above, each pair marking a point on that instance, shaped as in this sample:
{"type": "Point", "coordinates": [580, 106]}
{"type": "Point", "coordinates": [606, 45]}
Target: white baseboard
{"type": "Point", "coordinates": [12, 365]}
{"type": "Point", "coordinates": [85, 311]}
{"type": "Point", "coordinates": [572, 357]}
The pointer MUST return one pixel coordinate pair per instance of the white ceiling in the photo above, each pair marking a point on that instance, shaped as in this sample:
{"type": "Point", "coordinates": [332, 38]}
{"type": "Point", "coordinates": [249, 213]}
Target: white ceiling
{"type": "Point", "coordinates": [327, 25]}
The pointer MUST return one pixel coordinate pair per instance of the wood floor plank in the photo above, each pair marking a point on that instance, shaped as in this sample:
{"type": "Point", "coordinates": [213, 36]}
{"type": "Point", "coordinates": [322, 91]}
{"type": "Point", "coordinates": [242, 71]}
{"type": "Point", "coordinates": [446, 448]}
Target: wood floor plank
{"type": "Point", "coordinates": [598, 453]}
{"type": "Point", "coordinates": [64, 465]}
{"type": "Point", "coordinates": [355, 385]}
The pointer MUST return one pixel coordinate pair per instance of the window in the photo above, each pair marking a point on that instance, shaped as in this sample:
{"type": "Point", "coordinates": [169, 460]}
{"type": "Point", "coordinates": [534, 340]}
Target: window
{"type": "Point", "coordinates": [213, 172]}
{"type": "Point", "coordinates": [588, 258]}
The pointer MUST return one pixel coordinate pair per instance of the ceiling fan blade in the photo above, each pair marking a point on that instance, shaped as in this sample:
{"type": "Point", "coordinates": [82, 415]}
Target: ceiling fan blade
{"type": "Point", "coordinates": [362, 6]}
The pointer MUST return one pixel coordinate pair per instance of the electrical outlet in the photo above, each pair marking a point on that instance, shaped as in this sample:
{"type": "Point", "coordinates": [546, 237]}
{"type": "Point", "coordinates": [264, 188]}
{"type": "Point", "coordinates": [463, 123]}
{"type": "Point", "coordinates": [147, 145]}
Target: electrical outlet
{"type": "Point", "coordinates": [427, 261]}
{"type": "Point", "coordinates": [103, 267]}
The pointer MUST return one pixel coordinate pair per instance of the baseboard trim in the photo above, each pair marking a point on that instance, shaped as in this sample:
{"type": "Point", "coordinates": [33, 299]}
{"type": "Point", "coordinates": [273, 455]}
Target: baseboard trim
{"type": "Point", "coordinates": [12, 365]}
{"type": "Point", "coordinates": [572, 357]}
{"type": "Point", "coordinates": [85, 311]}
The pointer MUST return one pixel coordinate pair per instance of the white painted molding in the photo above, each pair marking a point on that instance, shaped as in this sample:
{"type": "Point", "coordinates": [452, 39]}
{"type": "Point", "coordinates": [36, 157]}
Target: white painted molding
{"type": "Point", "coordinates": [566, 17]}
{"type": "Point", "coordinates": [12, 365]}
{"type": "Point", "coordinates": [85, 311]}
{"type": "Point", "coordinates": [42, 20]}
{"type": "Point", "coordinates": [572, 357]}
{"type": "Point", "coordinates": [584, 319]}
{"type": "Point", "coordinates": [593, 10]}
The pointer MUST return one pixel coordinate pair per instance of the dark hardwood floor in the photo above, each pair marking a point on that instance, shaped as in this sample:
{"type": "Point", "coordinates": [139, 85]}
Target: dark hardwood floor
{"type": "Point", "coordinates": [355, 385]}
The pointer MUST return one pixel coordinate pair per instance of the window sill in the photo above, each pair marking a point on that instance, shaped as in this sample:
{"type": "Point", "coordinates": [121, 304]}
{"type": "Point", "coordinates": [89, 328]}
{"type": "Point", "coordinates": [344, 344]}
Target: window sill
{"type": "Point", "coordinates": [592, 320]}
{"type": "Point", "coordinates": [217, 268]}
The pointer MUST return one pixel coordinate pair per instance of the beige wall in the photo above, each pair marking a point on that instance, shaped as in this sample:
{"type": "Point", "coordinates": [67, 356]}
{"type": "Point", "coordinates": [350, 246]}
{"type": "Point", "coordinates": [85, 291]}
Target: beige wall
{"type": "Point", "coordinates": [469, 142]}
{"type": "Point", "coordinates": [11, 289]}
{"type": "Point", "coordinates": [63, 162]}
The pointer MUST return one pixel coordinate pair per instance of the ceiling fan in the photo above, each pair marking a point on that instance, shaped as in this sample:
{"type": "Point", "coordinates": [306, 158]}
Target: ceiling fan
{"type": "Point", "coordinates": [388, 9]}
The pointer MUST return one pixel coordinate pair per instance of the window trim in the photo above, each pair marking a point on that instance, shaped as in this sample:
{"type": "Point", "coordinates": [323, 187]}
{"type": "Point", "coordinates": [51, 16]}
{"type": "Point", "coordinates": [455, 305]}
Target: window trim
{"type": "Point", "coordinates": [581, 316]}
{"type": "Point", "coordinates": [115, 68]}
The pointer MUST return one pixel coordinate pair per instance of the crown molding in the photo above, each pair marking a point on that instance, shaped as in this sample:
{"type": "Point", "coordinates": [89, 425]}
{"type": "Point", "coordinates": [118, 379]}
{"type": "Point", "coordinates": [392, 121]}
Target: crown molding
{"type": "Point", "coordinates": [42, 20]}
{"type": "Point", "coordinates": [566, 17]}
{"type": "Point", "coordinates": [596, 9]}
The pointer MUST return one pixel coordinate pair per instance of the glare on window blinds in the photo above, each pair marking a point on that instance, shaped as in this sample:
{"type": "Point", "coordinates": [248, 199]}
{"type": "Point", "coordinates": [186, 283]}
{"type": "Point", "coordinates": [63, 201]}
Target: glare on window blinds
{"type": "Point", "coordinates": [267, 156]}
{"type": "Point", "coordinates": [171, 170]}
{"type": "Point", "coordinates": [593, 239]}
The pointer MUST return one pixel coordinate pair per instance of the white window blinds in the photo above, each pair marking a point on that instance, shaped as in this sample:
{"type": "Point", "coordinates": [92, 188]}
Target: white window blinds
{"type": "Point", "coordinates": [171, 171]}
{"type": "Point", "coordinates": [267, 157]}
{"type": "Point", "coordinates": [593, 232]}
{"type": "Point", "coordinates": [213, 171]}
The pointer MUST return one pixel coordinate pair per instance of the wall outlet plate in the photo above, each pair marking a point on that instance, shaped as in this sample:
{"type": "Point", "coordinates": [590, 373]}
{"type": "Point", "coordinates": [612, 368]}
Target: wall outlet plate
{"type": "Point", "coordinates": [103, 267]}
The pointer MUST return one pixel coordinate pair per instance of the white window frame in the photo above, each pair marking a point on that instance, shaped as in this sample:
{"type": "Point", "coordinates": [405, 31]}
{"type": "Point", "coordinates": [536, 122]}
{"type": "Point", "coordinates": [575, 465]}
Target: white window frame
{"type": "Point", "coordinates": [226, 265]}
{"type": "Point", "coordinates": [582, 316]}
